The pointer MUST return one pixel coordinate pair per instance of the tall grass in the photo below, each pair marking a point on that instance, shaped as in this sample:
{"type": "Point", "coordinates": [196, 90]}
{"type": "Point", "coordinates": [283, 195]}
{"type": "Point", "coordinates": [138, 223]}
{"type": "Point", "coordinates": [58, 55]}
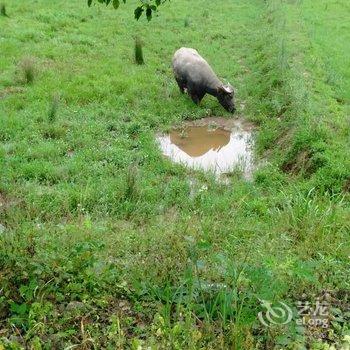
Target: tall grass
{"type": "Point", "coordinates": [131, 190]}
{"type": "Point", "coordinates": [3, 10]}
{"type": "Point", "coordinates": [28, 70]}
{"type": "Point", "coordinates": [53, 107]}
{"type": "Point", "coordinates": [139, 51]}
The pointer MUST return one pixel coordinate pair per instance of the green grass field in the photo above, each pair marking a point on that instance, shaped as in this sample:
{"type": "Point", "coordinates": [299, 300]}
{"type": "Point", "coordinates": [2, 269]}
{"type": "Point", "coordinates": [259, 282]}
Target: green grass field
{"type": "Point", "coordinates": [105, 244]}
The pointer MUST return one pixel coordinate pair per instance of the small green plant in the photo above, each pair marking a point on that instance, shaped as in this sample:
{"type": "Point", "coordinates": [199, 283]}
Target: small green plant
{"type": "Point", "coordinates": [205, 14]}
{"type": "Point", "coordinates": [3, 10]}
{"type": "Point", "coordinates": [28, 70]}
{"type": "Point", "coordinates": [53, 107]}
{"type": "Point", "coordinates": [131, 183]}
{"type": "Point", "coordinates": [138, 51]}
{"type": "Point", "coordinates": [187, 22]}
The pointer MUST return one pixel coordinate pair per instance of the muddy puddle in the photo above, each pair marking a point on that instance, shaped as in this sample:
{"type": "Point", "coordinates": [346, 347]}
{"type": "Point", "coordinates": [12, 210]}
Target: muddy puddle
{"type": "Point", "coordinates": [212, 144]}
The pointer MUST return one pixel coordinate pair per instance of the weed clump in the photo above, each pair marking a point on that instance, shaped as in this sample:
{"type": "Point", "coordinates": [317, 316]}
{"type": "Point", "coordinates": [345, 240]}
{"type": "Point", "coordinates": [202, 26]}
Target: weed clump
{"type": "Point", "coordinates": [54, 103]}
{"type": "Point", "coordinates": [205, 14]}
{"type": "Point", "coordinates": [187, 22]}
{"type": "Point", "coordinates": [3, 10]}
{"type": "Point", "coordinates": [28, 70]}
{"type": "Point", "coordinates": [138, 51]}
{"type": "Point", "coordinates": [131, 190]}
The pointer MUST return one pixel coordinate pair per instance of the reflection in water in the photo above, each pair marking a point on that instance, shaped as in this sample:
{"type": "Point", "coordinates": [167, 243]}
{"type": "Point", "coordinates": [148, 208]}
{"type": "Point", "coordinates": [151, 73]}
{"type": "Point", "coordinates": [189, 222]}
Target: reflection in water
{"type": "Point", "coordinates": [198, 140]}
{"type": "Point", "coordinates": [217, 150]}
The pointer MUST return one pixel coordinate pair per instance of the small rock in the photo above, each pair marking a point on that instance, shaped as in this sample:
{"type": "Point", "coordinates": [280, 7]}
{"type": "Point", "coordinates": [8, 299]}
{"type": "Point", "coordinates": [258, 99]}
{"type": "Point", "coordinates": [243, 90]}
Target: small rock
{"type": "Point", "coordinates": [75, 305]}
{"type": "Point", "coordinates": [15, 339]}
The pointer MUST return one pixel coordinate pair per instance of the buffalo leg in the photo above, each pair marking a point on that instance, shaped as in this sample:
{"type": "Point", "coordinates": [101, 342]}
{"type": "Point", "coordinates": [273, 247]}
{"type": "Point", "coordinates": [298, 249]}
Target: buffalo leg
{"type": "Point", "coordinates": [181, 85]}
{"type": "Point", "coordinates": [193, 94]}
{"type": "Point", "coordinates": [194, 98]}
{"type": "Point", "coordinates": [200, 96]}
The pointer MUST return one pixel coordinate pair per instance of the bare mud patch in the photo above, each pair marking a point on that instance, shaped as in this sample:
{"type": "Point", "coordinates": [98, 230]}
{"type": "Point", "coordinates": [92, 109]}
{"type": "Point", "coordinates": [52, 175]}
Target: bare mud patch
{"type": "Point", "coordinates": [213, 144]}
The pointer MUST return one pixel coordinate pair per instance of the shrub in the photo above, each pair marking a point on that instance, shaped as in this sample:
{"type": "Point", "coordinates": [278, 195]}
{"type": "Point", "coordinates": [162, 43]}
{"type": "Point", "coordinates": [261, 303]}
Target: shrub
{"type": "Point", "coordinates": [3, 10]}
{"type": "Point", "coordinates": [138, 51]}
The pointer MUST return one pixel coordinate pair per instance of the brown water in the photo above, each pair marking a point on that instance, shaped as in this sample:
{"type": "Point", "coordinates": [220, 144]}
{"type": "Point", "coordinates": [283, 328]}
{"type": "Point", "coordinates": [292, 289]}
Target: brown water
{"type": "Point", "coordinates": [216, 147]}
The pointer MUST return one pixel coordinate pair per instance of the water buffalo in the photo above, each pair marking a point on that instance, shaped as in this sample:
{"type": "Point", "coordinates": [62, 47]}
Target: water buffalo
{"type": "Point", "coordinates": [194, 74]}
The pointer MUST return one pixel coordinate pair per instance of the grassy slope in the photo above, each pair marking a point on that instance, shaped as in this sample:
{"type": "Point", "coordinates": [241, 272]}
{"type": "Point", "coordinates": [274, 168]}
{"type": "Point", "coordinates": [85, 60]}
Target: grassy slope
{"type": "Point", "coordinates": [93, 213]}
{"type": "Point", "coordinates": [330, 33]}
